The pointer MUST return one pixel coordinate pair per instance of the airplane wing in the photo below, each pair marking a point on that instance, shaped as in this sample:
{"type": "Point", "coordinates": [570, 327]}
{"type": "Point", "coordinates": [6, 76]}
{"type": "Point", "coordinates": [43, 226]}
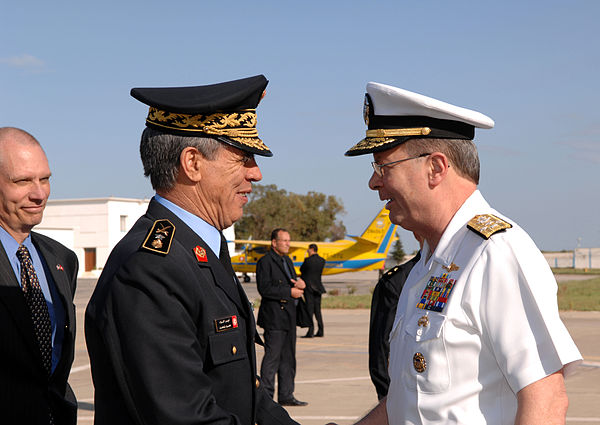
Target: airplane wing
{"type": "Point", "coordinates": [252, 242]}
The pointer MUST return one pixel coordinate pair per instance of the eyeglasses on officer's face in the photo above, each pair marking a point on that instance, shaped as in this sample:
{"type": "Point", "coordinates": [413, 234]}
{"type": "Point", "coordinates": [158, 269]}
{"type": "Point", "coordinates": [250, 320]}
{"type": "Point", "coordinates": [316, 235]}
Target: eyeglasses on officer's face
{"type": "Point", "coordinates": [378, 168]}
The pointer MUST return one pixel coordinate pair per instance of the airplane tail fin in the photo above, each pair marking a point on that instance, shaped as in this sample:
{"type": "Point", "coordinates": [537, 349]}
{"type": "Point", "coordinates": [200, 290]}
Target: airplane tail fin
{"type": "Point", "coordinates": [381, 232]}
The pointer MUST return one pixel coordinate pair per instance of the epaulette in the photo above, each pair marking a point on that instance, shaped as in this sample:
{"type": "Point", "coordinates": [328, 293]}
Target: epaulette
{"type": "Point", "coordinates": [485, 225]}
{"type": "Point", "coordinates": [160, 237]}
{"type": "Point", "coordinates": [391, 271]}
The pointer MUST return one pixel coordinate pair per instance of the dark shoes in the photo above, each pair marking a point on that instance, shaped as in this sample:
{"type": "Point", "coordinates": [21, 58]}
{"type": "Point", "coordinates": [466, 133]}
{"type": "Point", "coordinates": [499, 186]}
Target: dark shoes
{"type": "Point", "coordinates": [319, 334]}
{"type": "Point", "coordinates": [292, 402]}
{"type": "Point", "coordinates": [308, 335]}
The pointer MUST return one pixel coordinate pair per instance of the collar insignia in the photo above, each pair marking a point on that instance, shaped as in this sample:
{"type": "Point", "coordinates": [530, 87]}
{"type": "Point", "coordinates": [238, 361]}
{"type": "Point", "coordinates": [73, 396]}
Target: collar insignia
{"type": "Point", "coordinates": [200, 254]}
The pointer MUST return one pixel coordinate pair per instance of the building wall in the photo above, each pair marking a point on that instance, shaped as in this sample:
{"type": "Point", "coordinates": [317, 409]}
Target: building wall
{"type": "Point", "coordinates": [97, 224]}
{"type": "Point", "coordinates": [94, 223]}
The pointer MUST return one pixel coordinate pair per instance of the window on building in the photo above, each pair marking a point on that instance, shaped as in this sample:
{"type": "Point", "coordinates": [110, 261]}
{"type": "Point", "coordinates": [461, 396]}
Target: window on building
{"type": "Point", "coordinates": [123, 223]}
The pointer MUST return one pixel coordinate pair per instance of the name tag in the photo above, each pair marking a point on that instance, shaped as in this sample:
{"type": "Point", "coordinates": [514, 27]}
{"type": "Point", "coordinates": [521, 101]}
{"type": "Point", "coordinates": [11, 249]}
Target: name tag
{"type": "Point", "coordinates": [226, 323]}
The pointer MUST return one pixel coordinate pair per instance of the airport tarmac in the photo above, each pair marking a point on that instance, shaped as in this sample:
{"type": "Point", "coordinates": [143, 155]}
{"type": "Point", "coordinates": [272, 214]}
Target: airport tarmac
{"type": "Point", "coordinates": [332, 373]}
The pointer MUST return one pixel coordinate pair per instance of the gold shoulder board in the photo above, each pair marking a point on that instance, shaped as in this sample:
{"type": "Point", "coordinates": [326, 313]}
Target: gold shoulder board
{"type": "Point", "coordinates": [160, 237]}
{"type": "Point", "coordinates": [486, 225]}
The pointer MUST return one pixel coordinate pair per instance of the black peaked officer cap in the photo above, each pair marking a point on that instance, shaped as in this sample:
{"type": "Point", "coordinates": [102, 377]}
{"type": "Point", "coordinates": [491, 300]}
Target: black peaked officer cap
{"type": "Point", "coordinates": [224, 111]}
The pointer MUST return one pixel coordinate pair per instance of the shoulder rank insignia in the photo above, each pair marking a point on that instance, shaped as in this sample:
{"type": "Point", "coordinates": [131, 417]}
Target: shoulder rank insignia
{"type": "Point", "coordinates": [391, 271]}
{"type": "Point", "coordinates": [486, 225]}
{"type": "Point", "coordinates": [160, 237]}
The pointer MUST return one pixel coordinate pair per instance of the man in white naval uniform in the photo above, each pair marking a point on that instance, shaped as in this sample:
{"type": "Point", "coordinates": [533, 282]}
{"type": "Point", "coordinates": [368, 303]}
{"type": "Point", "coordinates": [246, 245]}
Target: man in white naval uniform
{"type": "Point", "coordinates": [477, 337]}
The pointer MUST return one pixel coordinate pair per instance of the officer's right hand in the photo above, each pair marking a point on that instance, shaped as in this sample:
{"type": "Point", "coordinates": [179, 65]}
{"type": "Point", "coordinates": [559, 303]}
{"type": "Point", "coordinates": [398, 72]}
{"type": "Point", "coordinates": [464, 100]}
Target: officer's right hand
{"type": "Point", "coordinates": [297, 293]}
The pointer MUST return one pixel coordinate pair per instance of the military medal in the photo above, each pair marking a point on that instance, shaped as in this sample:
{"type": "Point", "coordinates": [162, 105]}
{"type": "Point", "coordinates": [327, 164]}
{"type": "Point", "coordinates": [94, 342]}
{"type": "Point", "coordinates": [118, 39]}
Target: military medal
{"type": "Point", "coordinates": [436, 293]}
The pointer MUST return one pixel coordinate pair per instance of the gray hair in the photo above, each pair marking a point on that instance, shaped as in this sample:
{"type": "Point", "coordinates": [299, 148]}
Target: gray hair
{"type": "Point", "coordinates": [160, 154]}
{"type": "Point", "coordinates": [461, 153]}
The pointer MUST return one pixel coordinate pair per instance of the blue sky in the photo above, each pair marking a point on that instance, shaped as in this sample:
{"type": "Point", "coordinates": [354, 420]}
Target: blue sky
{"type": "Point", "coordinates": [66, 69]}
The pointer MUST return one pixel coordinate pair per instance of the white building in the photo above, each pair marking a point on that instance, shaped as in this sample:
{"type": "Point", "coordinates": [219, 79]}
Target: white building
{"type": "Point", "coordinates": [92, 227]}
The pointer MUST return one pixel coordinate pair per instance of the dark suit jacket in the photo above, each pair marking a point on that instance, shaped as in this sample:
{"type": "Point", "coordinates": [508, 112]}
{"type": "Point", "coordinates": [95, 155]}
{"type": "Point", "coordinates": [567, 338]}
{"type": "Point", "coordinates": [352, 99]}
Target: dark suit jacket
{"type": "Point", "coordinates": [383, 311]}
{"type": "Point", "coordinates": [311, 271]}
{"type": "Point", "coordinates": [277, 307]}
{"type": "Point", "coordinates": [171, 337]}
{"type": "Point", "coordinates": [26, 393]}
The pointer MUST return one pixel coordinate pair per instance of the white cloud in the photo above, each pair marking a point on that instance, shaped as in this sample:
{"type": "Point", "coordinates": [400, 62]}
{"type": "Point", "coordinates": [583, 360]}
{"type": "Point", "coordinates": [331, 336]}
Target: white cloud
{"type": "Point", "coordinates": [24, 61]}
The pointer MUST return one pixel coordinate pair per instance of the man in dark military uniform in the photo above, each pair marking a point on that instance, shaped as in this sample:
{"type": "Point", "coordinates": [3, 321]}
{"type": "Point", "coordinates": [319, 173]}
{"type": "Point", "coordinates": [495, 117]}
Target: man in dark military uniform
{"type": "Point", "coordinates": [169, 329]}
{"type": "Point", "coordinates": [383, 310]}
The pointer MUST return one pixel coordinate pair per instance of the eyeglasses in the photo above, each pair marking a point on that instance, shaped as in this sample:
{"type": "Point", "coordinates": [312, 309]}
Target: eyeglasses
{"type": "Point", "coordinates": [378, 168]}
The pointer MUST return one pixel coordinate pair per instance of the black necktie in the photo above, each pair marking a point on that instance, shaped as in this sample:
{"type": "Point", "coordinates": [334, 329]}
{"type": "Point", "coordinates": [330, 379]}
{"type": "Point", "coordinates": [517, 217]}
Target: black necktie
{"type": "Point", "coordinates": [36, 302]}
{"type": "Point", "coordinates": [286, 268]}
{"type": "Point", "coordinates": [225, 258]}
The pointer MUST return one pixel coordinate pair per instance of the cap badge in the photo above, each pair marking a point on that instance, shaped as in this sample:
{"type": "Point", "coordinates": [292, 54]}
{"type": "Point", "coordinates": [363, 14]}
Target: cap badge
{"type": "Point", "coordinates": [367, 109]}
{"type": "Point", "coordinates": [419, 362]}
{"type": "Point", "coordinates": [200, 254]}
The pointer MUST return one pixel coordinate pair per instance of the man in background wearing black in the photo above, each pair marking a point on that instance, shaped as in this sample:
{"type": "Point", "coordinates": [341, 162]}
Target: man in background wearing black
{"type": "Point", "coordinates": [311, 271]}
{"type": "Point", "coordinates": [279, 288]}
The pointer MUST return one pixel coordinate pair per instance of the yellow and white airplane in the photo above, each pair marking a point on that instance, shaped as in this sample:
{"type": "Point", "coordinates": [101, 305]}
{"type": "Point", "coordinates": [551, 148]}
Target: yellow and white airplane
{"type": "Point", "coordinates": [365, 252]}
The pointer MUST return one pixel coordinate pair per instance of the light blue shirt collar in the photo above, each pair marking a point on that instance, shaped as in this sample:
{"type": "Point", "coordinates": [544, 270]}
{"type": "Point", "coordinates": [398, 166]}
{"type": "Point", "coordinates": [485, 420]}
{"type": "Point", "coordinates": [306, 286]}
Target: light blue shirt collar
{"type": "Point", "coordinates": [208, 233]}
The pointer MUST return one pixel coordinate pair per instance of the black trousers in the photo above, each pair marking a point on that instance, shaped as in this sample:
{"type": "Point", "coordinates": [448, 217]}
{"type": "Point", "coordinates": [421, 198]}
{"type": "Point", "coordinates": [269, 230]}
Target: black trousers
{"type": "Point", "coordinates": [313, 304]}
{"type": "Point", "coordinates": [280, 359]}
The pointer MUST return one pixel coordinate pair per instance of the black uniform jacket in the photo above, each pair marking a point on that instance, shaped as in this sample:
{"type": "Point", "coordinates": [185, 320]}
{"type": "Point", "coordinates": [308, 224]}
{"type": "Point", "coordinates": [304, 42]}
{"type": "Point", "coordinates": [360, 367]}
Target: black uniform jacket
{"type": "Point", "coordinates": [383, 312]}
{"type": "Point", "coordinates": [277, 307]}
{"type": "Point", "coordinates": [311, 271]}
{"type": "Point", "coordinates": [26, 393]}
{"type": "Point", "coordinates": [171, 336]}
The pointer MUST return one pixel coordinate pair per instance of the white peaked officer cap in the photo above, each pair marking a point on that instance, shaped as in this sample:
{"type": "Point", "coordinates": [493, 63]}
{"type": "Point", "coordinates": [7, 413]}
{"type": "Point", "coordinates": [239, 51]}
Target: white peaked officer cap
{"type": "Point", "coordinates": [394, 115]}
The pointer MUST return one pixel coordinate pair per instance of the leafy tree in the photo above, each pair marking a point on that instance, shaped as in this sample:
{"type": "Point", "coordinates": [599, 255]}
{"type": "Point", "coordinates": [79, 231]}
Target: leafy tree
{"type": "Point", "coordinates": [310, 217]}
{"type": "Point", "coordinates": [398, 253]}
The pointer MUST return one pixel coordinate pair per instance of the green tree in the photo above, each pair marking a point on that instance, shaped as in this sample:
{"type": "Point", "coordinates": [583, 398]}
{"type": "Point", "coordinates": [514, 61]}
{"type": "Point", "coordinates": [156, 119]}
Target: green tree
{"type": "Point", "coordinates": [398, 253]}
{"type": "Point", "coordinates": [310, 217]}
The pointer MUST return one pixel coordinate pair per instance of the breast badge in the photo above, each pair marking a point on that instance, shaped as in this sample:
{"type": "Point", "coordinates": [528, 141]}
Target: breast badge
{"type": "Point", "coordinates": [419, 362]}
{"type": "Point", "coordinates": [160, 237]}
